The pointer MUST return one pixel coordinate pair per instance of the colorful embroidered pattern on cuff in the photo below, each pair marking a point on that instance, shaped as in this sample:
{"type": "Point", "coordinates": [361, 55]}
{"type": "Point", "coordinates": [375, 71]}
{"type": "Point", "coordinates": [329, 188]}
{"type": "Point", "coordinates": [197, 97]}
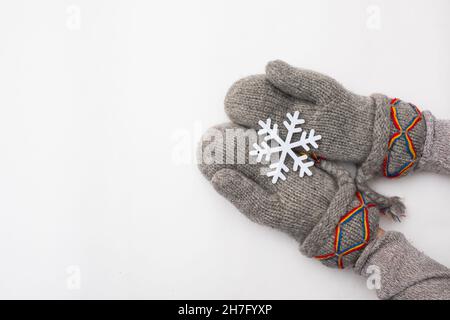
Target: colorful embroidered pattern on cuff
{"type": "Point", "coordinates": [362, 211]}
{"type": "Point", "coordinates": [401, 133]}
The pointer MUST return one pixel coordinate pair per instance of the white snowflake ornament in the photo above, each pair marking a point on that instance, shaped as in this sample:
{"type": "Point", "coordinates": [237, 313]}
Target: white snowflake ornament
{"type": "Point", "coordinates": [285, 147]}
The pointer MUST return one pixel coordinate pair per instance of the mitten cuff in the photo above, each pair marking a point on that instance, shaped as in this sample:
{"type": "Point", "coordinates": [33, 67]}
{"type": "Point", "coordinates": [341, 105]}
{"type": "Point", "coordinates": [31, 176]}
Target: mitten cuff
{"type": "Point", "coordinates": [347, 226]}
{"type": "Point", "coordinates": [436, 152]}
{"type": "Point", "coordinates": [398, 139]}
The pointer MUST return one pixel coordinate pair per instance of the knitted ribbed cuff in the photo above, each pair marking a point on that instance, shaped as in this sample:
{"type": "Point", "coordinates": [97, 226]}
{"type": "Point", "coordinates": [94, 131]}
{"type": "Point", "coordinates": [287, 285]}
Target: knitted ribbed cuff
{"type": "Point", "coordinates": [345, 229]}
{"type": "Point", "coordinates": [436, 152]}
{"type": "Point", "coordinates": [398, 139]}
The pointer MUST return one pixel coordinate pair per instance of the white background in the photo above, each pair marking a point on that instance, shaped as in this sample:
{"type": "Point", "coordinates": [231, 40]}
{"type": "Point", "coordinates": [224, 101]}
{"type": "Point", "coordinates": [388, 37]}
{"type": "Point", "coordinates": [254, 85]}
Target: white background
{"type": "Point", "coordinates": [101, 106]}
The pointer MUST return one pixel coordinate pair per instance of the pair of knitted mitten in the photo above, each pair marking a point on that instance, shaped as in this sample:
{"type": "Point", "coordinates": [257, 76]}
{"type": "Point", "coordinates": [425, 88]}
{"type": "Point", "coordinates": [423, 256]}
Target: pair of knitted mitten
{"type": "Point", "coordinates": [326, 213]}
{"type": "Point", "coordinates": [330, 214]}
{"type": "Point", "coordinates": [382, 135]}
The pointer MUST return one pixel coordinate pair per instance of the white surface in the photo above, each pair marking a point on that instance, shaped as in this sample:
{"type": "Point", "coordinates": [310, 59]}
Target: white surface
{"type": "Point", "coordinates": [96, 109]}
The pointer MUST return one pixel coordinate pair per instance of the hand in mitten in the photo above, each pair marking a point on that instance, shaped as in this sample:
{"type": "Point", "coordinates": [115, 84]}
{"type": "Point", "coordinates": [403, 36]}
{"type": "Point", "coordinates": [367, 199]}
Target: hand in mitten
{"type": "Point", "coordinates": [384, 136]}
{"type": "Point", "coordinates": [325, 212]}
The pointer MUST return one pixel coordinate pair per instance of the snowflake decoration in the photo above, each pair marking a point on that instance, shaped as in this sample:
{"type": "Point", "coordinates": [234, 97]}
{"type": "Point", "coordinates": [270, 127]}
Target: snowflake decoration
{"type": "Point", "coordinates": [285, 147]}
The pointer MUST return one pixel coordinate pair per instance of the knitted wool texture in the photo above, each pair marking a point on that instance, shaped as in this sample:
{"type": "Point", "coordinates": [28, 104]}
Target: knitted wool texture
{"type": "Point", "coordinates": [308, 209]}
{"type": "Point", "coordinates": [404, 272]}
{"type": "Point", "coordinates": [354, 128]}
{"type": "Point", "coordinates": [436, 153]}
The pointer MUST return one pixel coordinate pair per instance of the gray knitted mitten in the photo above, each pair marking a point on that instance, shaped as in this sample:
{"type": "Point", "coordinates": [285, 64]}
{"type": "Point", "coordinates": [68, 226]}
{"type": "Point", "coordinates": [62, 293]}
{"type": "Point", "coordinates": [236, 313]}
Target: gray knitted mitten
{"type": "Point", "coordinates": [383, 136]}
{"type": "Point", "coordinates": [324, 212]}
